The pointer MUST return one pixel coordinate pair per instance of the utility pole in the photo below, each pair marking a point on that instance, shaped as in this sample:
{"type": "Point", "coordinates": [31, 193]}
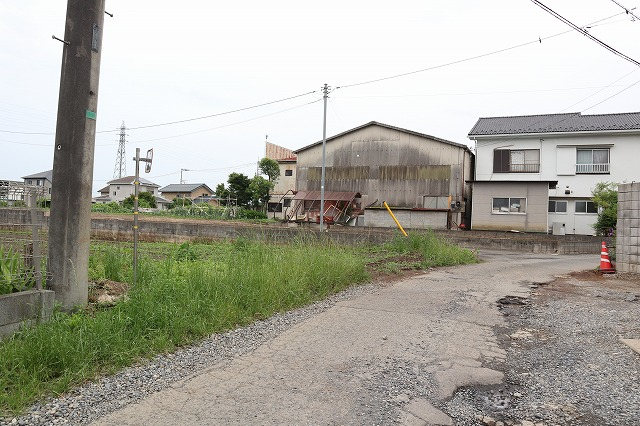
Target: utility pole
{"type": "Point", "coordinates": [325, 91]}
{"type": "Point", "coordinates": [183, 170]}
{"type": "Point", "coordinates": [120, 169]}
{"type": "Point", "coordinates": [70, 219]}
{"type": "Point", "coordinates": [136, 213]}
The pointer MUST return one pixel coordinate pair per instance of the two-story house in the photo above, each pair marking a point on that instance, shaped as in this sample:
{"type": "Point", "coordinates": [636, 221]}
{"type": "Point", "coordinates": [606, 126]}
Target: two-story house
{"type": "Point", "coordinates": [42, 181]}
{"type": "Point", "coordinates": [119, 189]}
{"type": "Point", "coordinates": [281, 197]}
{"type": "Point", "coordinates": [536, 173]}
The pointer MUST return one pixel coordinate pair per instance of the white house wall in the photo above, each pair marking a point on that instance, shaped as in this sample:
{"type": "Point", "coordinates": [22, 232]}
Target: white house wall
{"type": "Point", "coordinates": [558, 163]}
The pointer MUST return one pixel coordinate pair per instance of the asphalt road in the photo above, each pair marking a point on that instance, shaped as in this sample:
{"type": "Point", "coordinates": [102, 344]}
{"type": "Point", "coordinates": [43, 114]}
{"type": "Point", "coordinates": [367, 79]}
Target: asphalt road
{"type": "Point", "coordinates": [396, 354]}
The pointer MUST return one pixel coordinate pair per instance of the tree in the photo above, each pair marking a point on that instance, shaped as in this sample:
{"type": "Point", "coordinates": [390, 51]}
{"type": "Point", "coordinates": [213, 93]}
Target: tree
{"type": "Point", "coordinates": [260, 188]}
{"type": "Point", "coordinates": [179, 202]}
{"type": "Point", "coordinates": [605, 195]}
{"type": "Point", "coordinates": [239, 188]}
{"type": "Point", "coordinates": [146, 200]}
{"type": "Point", "coordinates": [269, 167]}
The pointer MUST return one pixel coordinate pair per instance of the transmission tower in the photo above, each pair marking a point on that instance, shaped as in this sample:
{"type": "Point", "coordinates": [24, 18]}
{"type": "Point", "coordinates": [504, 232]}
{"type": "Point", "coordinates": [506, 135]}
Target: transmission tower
{"type": "Point", "coordinates": [120, 169]}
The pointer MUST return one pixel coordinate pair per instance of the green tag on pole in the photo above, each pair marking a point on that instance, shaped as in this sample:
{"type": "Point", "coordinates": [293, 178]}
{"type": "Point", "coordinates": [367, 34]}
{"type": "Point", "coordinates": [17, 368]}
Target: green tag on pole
{"type": "Point", "coordinates": [91, 114]}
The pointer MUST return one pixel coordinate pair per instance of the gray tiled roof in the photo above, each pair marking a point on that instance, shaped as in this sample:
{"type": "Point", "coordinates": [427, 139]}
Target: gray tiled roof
{"type": "Point", "coordinates": [128, 180]}
{"type": "Point", "coordinates": [48, 175]}
{"type": "Point", "coordinates": [184, 187]}
{"type": "Point", "coordinates": [555, 123]}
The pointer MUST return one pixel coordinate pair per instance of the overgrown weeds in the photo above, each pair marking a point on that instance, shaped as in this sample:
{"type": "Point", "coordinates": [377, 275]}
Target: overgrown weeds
{"type": "Point", "coordinates": [186, 292]}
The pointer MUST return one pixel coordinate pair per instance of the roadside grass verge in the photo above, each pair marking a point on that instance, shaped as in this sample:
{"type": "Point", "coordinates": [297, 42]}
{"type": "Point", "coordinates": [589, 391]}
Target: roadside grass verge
{"type": "Point", "coordinates": [184, 293]}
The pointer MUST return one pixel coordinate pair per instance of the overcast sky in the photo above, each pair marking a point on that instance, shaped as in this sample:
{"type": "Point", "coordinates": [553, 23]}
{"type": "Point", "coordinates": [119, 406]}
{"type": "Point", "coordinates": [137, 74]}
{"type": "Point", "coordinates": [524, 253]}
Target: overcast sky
{"type": "Point", "coordinates": [166, 61]}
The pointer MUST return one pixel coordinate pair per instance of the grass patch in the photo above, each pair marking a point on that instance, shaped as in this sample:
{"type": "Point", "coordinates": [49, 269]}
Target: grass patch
{"type": "Point", "coordinates": [184, 293]}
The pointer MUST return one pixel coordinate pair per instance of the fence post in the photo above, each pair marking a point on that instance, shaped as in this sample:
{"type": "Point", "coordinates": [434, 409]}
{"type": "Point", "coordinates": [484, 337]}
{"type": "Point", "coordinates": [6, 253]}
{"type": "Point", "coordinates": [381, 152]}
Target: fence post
{"type": "Point", "coordinates": [35, 237]}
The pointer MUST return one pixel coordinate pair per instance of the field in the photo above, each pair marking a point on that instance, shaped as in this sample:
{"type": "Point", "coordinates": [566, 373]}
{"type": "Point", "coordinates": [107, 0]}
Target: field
{"type": "Point", "coordinates": [186, 292]}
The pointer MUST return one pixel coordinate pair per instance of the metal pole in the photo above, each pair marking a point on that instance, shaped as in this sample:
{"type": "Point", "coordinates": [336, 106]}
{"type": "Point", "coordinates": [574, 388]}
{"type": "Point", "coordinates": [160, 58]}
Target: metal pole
{"type": "Point", "coordinates": [136, 185]}
{"type": "Point", "coordinates": [325, 90]}
{"type": "Point", "coordinates": [35, 237]}
{"type": "Point", "coordinates": [70, 225]}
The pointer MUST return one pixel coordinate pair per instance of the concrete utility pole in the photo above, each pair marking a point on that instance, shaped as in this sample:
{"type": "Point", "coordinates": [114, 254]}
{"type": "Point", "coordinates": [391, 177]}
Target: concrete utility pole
{"type": "Point", "coordinates": [70, 221]}
{"type": "Point", "coordinates": [183, 170]}
{"type": "Point", "coordinates": [325, 90]}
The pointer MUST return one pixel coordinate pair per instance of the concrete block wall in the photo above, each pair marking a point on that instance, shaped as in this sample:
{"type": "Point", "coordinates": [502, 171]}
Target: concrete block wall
{"type": "Point", "coordinates": [628, 228]}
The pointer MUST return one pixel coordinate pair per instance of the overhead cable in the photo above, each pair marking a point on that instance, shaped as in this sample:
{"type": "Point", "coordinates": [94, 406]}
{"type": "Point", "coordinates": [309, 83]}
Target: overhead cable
{"type": "Point", "coordinates": [179, 121]}
{"type": "Point", "coordinates": [627, 11]}
{"type": "Point", "coordinates": [472, 58]}
{"type": "Point", "coordinates": [585, 33]}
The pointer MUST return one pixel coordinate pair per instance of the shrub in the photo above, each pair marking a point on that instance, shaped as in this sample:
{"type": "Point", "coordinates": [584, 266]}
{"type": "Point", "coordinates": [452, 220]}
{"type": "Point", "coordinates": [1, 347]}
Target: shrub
{"type": "Point", "coordinates": [605, 195]}
{"type": "Point", "coordinates": [14, 275]}
{"type": "Point", "coordinates": [111, 207]}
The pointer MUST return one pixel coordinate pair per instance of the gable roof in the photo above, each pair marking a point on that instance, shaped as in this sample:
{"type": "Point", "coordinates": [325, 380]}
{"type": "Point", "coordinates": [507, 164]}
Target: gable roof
{"type": "Point", "coordinates": [387, 126]}
{"type": "Point", "coordinates": [184, 187]}
{"type": "Point", "coordinates": [48, 175]}
{"type": "Point", "coordinates": [128, 180]}
{"type": "Point", "coordinates": [555, 123]}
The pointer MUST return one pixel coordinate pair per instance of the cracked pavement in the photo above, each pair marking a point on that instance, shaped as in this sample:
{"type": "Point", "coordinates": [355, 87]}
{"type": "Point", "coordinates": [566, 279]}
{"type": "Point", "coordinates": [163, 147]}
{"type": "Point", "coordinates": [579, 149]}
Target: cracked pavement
{"type": "Point", "coordinates": [391, 356]}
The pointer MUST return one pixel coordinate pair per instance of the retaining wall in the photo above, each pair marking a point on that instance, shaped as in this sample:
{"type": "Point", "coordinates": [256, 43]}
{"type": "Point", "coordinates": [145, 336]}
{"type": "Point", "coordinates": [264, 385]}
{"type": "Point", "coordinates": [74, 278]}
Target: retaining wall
{"type": "Point", "coordinates": [628, 228]}
{"type": "Point", "coordinates": [25, 307]}
{"type": "Point", "coordinates": [119, 228]}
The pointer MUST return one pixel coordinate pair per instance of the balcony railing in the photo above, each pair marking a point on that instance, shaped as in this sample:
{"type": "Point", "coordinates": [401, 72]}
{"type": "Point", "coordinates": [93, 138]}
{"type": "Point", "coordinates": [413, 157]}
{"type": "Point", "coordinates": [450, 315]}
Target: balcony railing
{"type": "Point", "coordinates": [524, 168]}
{"type": "Point", "coordinates": [592, 168]}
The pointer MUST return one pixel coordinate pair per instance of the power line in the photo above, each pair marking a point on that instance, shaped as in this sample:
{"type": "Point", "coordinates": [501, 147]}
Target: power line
{"type": "Point", "coordinates": [222, 113]}
{"type": "Point", "coordinates": [179, 121]}
{"type": "Point", "coordinates": [627, 11]}
{"type": "Point", "coordinates": [614, 95]}
{"type": "Point", "coordinates": [226, 125]}
{"type": "Point", "coordinates": [459, 61]}
{"type": "Point", "coordinates": [585, 33]}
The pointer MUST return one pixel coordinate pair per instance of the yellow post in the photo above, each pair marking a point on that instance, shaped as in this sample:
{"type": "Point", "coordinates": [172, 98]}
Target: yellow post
{"type": "Point", "coordinates": [394, 219]}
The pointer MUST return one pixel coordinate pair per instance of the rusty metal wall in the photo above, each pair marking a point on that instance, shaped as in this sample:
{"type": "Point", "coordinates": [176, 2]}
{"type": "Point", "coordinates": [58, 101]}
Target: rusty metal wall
{"type": "Point", "coordinates": [387, 165]}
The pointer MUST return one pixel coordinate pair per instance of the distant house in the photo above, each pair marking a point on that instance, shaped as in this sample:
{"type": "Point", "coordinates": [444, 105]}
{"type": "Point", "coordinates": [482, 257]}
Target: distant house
{"type": "Point", "coordinates": [12, 191]}
{"type": "Point", "coordinates": [119, 189]}
{"type": "Point", "coordinates": [536, 173]}
{"type": "Point", "coordinates": [281, 197]}
{"type": "Point", "coordinates": [189, 191]}
{"type": "Point", "coordinates": [43, 180]}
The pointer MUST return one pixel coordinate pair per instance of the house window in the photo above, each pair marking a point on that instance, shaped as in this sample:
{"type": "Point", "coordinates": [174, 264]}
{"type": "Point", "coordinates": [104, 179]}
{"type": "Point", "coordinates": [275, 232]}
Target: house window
{"type": "Point", "coordinates": [586, 207]}
{"type": "Point", "coordinates": [29, 182]}
{"type": "Point", "coordinates": [592, 161]}
{"type": "Point", "coordinates": [516, 161]}
{"type": "Point", "coordinates": [274, 207]}
{"type": "Point", "coordinates": [117, 187]}
{"type": "Point", "coordinates": [557, 206]}
{"type": "Point", "coordinates": [509, 205]}
{"type": "Point", "coordinates": [287, 202]}
{"type": "Point", "coordinates": [288, 172]}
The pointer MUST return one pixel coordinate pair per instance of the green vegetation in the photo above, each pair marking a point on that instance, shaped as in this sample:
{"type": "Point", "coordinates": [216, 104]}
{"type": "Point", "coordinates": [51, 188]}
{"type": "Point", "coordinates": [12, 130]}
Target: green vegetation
{"type": "Point", "coordinates": [14, 274]}
{"type": "Point", "coordinates": [605, 195]}
{"type": "Point", "coordinates": [179, 202]}
{"type": "Point", "coordinates": [146, 200]}
{"type": "Point", "coordinates": [4, 203]}
{"type": "Point", "coordinates": [433, 250]}
{"type": "Point", "coordinates": [186, 292]}
{"type": "Point", "coordinates": [112, 207]}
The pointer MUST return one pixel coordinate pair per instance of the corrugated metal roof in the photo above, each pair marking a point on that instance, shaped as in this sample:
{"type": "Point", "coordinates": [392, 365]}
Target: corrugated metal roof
{"type": "Point", "coordinates": [48, 175]}
{"type": "Point", "coordinates": [387, 126]}
{"type": "Point", "coordinates": [555, 123]}
{"type": "Point", "coordinates": [184, 187]}
{"type": "Point", "coordinates": [328, 195]}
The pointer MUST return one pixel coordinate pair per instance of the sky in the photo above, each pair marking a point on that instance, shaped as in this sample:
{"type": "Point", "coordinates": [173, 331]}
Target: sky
{"type": "Point", "coordinates": [168, 61]}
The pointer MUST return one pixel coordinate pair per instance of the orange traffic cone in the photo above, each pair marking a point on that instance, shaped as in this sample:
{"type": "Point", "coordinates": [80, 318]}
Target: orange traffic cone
{"type": "Point", "coordinates": [606, 267]}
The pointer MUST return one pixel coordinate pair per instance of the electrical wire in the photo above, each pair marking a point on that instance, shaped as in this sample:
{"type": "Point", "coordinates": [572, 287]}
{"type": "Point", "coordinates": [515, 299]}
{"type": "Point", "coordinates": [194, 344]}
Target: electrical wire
{"type": "Point", "coordinates": [627, 11]}
{"type": "Point", "coordinates": [186, 120]}
{"type": "Point", "coordinates": [222, 126]}
{"type": "Point", "coordinates": [459, 61]}
{"type": "Point", "coordinates": [585, 33]}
